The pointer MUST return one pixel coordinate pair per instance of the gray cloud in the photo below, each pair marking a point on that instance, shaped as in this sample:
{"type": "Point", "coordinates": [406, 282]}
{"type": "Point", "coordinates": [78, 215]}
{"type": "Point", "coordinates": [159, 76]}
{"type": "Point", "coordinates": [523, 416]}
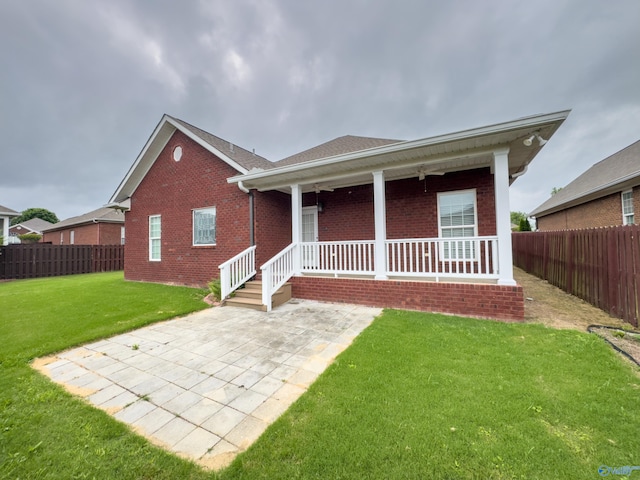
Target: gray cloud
{"type": "Point", "coordinates": [84, 83]}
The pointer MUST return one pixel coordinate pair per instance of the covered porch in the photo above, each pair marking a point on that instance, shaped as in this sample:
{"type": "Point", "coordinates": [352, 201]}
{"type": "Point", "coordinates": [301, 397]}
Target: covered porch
{"type": "Point", "coordinates": [459, 263]}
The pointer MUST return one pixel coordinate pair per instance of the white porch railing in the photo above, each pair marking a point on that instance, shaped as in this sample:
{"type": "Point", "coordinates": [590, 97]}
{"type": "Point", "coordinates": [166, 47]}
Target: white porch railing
{"type": "Point", "coordinates": [236, 271]}
{"type": "Point", "coordinates": [464, 257]}
{"type": "Point", "coordinates": [351, 257]}
{"type": "Point", "coordinates": [276, 272]}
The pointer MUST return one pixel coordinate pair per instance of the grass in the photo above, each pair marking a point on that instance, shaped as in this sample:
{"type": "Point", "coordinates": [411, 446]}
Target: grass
{"type": "Point", "coordinates": [430, 396]}
{"type": "Point", "coordinates": [416, 396]}
{"type": "Point", "coordinates": [44, 431]}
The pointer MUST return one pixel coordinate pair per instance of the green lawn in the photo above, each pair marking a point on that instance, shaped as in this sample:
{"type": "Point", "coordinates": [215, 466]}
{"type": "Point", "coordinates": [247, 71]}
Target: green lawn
{"type": "Point", "coordinates": [46, 433]}
{"type": "Point", "coordinates": [416, 396]}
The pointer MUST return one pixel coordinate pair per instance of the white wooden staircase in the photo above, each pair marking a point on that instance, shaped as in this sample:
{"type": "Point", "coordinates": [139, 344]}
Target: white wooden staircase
{"type": "Point", "coordinates": [251, 296]}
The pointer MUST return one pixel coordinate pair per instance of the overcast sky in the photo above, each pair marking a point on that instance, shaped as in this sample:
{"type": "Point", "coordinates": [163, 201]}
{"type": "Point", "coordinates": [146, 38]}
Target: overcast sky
{"type": "Point", "coordinates": [83, 83]}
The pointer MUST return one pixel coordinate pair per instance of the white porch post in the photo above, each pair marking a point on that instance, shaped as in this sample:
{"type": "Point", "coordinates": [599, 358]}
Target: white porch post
{"type": "Point", "coordinates": [503, 217]}
{"type": "Point", "coordinates": [296, 225]}
{"type": "Point", "coordinates": [380, 216]}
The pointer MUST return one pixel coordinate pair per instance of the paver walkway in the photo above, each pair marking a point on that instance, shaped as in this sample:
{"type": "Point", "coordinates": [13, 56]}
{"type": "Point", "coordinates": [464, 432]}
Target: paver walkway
{"type": "Point", "coordinates": [207, 385]}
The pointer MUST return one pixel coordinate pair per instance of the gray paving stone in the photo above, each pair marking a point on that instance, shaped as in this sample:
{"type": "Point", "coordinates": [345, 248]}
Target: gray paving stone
{"type": "Point", "coordinates": [106, 394]}
{"type": "Point", "coordinates": [247, 401]}
{"type": "Point", "coordinates": [166, 393]}
{"type": "Point", "coordinates": [201, 411]}
{"type": "Point", "coordinates": [182, 402]}
{"type": "Point", "coordinates": [247, 378]}
{"type": "Point", "coordinates": [197, 443]}
{"type": "Point", "coordinates": [153, 421]}
{"type": "Point", "coordinates": [229, 373]}
{"type": "Point", "coordinates": [223, 421]}
{"type": "Point", "coordinates": [173, 431]}
{"type": "Point", "coordinates": [135, 411]}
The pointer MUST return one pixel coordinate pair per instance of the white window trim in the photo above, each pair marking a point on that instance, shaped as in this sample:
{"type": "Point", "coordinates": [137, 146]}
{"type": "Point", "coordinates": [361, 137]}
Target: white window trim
{"type": "Point", "coordinates": [72, 237]}
{"type": "Point", "coordinates": [630, 215]}
{"type": "Point", "coordinates": [474, 251]}
{"type": "Point", "coordinates": [193, 227]}
{"type": "Point", "coordinates": [151, 259]}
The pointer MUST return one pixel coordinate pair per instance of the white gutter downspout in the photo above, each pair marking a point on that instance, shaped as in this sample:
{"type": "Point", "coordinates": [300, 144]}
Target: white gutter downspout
{"type": "Point", "coordinates": [252, 238]}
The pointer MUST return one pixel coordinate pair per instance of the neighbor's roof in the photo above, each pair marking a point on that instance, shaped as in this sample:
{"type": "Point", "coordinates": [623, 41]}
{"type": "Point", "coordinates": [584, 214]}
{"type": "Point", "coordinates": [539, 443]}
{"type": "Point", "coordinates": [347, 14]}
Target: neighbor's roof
{"type": "Point", "coordinates": [35, 225]}
{"type": "Point", "coordinates": [238, 158]}
{"type": "Point", "coordinates": [7, 212]}
{"type": "Point", "coordinates": [338, 146]}
{"type": "Point", "coordinates": [101, 215]}
{"type": "Point", "coordinates": [618, 172]}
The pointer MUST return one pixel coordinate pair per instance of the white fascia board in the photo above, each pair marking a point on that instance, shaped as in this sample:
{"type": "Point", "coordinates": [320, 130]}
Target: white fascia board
{"type": "Point", "coordinates": [138, 161]}
{"type": "Point", "coordinates": [532, 122]}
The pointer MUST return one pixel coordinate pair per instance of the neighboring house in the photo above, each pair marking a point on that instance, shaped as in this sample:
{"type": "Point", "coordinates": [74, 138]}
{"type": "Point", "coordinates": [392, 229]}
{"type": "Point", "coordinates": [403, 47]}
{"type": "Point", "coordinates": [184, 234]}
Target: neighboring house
{"type": "Point", "coordinates": [6, 214]}
{"type": "Point", "coordinates": [607, 194]}
{"type": "Point", "coordinates": [104, 226]}
{"type": "Point", "coordinates": [35, 225]}
{"type": "Point", "coordinates": [421, 224]}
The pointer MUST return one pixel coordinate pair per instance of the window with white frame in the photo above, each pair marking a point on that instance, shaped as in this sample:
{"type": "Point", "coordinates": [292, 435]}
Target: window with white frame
{"type": "Point", "coordinates": [627, 208]}
{"type": "Point", "coordinates": [457, 219]}
{"type": "Point", "coordinates": [154, 238]}
{"type": "Point", "coordinates": [204, 226]}
{"type": "Point", "coordinates": [121, 235]}
{"type": "Point", "coordinates": [72, 237]}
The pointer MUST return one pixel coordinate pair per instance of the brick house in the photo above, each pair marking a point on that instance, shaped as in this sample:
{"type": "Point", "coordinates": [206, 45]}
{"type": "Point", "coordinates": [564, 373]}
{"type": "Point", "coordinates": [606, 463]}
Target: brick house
{"type": "Point", "coordinates": [104, 226]}
{"type": "Point", "coordinates": [35, 226]}
{"type": "Point", "coordinates": [607, 194]}
{"type": "Point", "coordinates": [6, 214]}
{"type": "Point", "coordinates": [421, 224]}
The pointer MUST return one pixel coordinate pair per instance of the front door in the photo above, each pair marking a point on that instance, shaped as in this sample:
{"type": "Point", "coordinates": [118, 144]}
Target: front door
{"type": "Point", "coordinates": [309, 234]}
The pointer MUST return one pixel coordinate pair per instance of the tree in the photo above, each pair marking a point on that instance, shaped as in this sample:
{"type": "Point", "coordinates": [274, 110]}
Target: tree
{"type": "Point", "coordinates": [555, 190]}
{"type": "Point", "coordinates": [525, 226]}
{"type": "Point", "coordinates": [516, 217]}
{"type": "Point", "coordinates": [30, 213]}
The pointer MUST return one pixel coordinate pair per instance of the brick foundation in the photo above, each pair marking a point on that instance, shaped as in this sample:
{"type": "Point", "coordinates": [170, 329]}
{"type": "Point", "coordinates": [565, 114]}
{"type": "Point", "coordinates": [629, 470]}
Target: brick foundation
{"type": "Point", "coordinates": [467, 299]}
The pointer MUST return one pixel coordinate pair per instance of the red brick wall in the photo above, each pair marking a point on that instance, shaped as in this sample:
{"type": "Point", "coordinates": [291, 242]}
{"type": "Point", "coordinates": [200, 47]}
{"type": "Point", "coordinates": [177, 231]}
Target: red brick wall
{"type": "Point", "coordinates": [89, 234]}
{"type": "Point", "coordinates": [173, 189]}
{"type": "Point", "coordinates": [411, 212]}
{"type": "Point", "coordinates": [272, 224]}
{"type": "Point", "coordinates": [468, 299]}
{"type": "Point", "coordinates": [602, 212]}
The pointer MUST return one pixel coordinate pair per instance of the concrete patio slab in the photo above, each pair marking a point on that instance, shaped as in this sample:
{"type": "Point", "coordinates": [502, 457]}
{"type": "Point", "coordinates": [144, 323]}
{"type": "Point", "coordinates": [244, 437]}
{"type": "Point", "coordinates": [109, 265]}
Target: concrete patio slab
{"type": "Point", "coordinates": [207, 385]}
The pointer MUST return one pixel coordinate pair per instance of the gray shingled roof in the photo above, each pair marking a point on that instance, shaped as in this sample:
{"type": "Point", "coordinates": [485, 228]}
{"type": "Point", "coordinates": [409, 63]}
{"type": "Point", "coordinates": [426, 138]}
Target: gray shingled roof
{"type": "Point", "coordinates": [104, 214]}
{"type": "Point", "coordinates": [238, 154]}
{"type": "Point", "coordinates": [35, 225]}
{"type": "Point", "coordinates": [7, 211]}
{"type": "Point", "coordinates": [338, 146]}
{"type": "Point", "coordinates": [616, 170]}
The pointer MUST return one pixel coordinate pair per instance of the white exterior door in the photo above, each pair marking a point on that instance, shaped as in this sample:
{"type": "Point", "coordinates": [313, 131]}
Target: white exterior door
{"type": "Point", "coordinates": [309, 234]}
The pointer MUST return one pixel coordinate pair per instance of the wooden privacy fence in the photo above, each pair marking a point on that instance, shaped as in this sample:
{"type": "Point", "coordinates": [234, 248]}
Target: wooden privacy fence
{"type": "Point", "coordinates": [601, 266]}
{"type": "Point", "coordinates": [45, 260]}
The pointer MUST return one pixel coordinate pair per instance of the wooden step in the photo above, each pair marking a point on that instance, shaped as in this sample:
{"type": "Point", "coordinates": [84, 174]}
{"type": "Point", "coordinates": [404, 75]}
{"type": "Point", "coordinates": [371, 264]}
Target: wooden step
{"type": "Point", "coordinates": [251, 296]}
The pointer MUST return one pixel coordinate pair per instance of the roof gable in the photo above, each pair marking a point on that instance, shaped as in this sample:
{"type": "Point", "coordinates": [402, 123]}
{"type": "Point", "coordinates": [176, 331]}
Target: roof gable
{"type": "Point", "coordinates": [35, 224]}
{"type": "Point", "coordinates": [238, 158]}
{"type": "Point", "coordinates": [616, 172]}
{"type": "Point", "coordinates": [7, 212]}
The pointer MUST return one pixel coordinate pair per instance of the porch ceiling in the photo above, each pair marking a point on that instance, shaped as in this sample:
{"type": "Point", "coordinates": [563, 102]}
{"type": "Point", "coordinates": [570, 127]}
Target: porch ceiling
{"type": "Point", "coordinates": [457, 151]}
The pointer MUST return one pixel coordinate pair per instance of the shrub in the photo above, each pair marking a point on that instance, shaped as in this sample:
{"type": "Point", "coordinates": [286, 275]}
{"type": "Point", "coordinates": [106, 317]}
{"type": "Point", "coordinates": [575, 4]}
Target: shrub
{"type": "Point", "coordinates": [30, 237]}
{"type": "Point", "coordinates": [216, 289]}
